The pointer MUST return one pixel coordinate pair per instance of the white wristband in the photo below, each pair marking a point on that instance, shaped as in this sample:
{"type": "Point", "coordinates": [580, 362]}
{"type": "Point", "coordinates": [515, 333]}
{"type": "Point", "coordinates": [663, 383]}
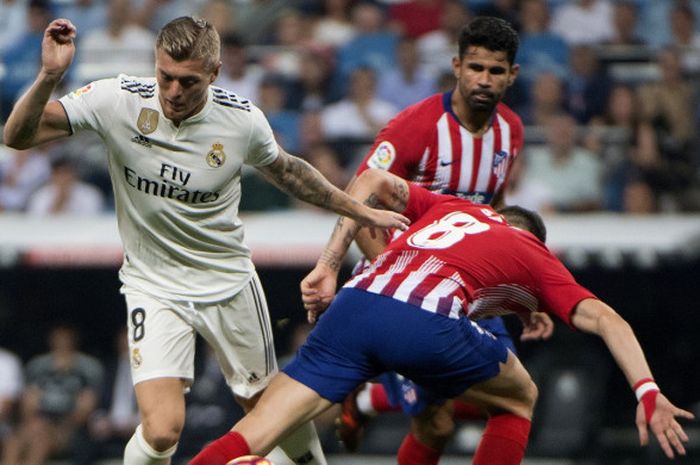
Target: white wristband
{"type": "Point", "coordinates": [644, 388]}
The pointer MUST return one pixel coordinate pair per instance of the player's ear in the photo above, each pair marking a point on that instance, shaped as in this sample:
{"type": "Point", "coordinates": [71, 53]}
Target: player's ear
{"type": "Point", "coordinates": [215, 73]}
{"type": "Point", "coordinates": [456, 64]}
{"type": "Point", "coordinates": [514, 70]}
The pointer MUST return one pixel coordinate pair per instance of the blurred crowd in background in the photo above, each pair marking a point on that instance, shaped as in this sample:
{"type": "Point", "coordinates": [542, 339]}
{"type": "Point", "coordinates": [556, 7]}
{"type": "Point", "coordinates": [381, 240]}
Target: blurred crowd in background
{"type": "Point", "coordinates": [606, 90]}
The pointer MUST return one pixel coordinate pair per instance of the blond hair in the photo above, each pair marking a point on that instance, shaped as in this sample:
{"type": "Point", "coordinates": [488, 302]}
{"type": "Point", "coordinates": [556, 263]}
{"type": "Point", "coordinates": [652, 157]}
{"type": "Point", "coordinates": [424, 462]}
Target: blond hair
{"type": "Point", "coordinates": [189, 38]}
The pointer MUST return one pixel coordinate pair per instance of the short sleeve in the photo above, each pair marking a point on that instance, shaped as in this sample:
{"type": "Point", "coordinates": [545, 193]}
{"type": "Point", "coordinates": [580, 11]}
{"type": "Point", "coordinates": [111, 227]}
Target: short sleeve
{"type": "Point", "coordinates": [90, 106]}
{"type": "Point", "coordinates": [559, 291]}
{"type": "Point", "coordinates": [262, 146]}
{"type": "Point", "coordinates": [396, 148]}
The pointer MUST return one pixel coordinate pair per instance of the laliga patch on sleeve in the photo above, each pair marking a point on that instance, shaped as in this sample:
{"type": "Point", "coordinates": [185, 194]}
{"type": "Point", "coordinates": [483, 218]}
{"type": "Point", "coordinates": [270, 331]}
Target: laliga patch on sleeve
{"type": "Point", "coordinates": [82, 91]}
{"type": "Point", "coordinates": [383, 156]}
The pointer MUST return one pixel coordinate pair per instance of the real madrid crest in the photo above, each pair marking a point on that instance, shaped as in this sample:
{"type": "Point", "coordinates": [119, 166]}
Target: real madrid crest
{"type": "Point", "coordinates": [216, 156]}
{"type": "Point", "coordinates": [148, 120]}
{"type": "Point", "coordinates": [136, 358]}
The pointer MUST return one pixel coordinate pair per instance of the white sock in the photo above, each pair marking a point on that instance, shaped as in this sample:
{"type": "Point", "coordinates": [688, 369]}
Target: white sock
{"type": "Point", "coordinates": [303, 446]}
{"type": "Point", "coordinates": [139, 452]}
{"type": "Point", "coordinates": [364, 401]}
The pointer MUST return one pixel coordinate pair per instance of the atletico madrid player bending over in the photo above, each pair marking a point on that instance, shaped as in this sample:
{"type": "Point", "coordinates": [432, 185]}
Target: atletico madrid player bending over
{"type": "Point", "coordinates": [407, 313]}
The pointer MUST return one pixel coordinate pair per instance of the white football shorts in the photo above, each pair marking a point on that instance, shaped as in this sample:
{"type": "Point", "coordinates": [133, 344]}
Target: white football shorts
{"type": "Point", "coordinates": [162, 337]}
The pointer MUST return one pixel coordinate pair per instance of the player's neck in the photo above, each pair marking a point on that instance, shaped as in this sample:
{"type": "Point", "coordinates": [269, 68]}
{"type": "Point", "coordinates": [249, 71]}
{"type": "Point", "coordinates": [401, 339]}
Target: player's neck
{"type": "Point", "coordinates": [476, 122]}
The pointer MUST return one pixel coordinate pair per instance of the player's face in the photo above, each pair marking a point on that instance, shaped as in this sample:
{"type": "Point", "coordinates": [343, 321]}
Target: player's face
{"type": "Point", "coordinates": [183, 86]}
{"type": "Point", "coordinates": [483, 77]}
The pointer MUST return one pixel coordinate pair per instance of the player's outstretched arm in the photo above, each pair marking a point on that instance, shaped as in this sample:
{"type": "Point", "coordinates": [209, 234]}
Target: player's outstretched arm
{"type": "Point", "coordinates": [298, 178]}
{"type": "Point", "coordinates": [33, 120]}
{"type": "Point", "coordinates": [654, 409]}
{"type": "Point", "coordinates": [374, 188]}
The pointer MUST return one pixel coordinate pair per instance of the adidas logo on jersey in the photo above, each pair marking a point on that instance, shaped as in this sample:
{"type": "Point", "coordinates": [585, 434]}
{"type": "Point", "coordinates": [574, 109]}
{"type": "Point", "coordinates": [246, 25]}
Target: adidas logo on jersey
{"type": "Point", "coordinates": [142, 140]}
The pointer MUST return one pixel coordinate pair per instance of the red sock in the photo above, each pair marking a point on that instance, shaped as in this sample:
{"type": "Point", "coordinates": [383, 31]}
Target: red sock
{"type": "Point", "coordinates": [468, 411]}
{"type": "Point", "coordinates": [380, 401]}
{"type": "Point", "coordinates": [504, 441]}
{"type": "Point", "coordinates": [219, 452]}
{"type": "Point", "coordinates": [413, 452]}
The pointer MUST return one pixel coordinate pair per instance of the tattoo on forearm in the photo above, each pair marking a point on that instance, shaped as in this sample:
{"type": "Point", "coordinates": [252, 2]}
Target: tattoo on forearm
{"type": "Point", "coordinates": [399, 195]}
{"type": "Point", "coordinates": [303, 181]}
{"type": "Point", "coordinates": [332, 258]}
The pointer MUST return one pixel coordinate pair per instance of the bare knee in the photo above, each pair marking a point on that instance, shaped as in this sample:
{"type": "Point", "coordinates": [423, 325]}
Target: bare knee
{"type": "Point", "coordinates": [434, 426]}
{"type": "Point", "coordinates": [248, 404]}
{"type": "Point", "coordinates": [162, 433]}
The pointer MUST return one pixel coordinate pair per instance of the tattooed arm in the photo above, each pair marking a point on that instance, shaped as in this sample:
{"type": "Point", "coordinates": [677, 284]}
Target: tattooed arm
{"type": "Point", "coordinates": [374, 188]}
{"type": "Point", "coordinates": [298, 178]}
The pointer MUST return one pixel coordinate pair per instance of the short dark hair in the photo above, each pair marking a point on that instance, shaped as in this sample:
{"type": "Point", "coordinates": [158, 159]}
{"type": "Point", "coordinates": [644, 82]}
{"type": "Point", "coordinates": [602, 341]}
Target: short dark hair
{"type": "Point", "coordinates": [492, 33]}
{"type": "Point", "coordinates": [525, 219]}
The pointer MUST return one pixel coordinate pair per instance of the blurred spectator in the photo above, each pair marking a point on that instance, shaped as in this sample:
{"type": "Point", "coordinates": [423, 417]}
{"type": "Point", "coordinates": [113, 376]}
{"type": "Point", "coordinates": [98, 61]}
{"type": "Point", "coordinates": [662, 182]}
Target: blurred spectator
{"type": "Point", "coordinates": [372, 46]}
{"type": "Point", "coordinates": [625, 24]}
{"type": "Point", "coordinates": [685, 36]}
{"type": "Point", "coordinates": [65, 193]}
{"type": "Point", "coordinates": [540, 49]}
{"type": "Point", "coordinates": [22, 172]}
{"type": "Point", "coordinates": [546, 100]}
{"type": "Point", "coordinates": [504, 9]}
{"type": "Point", "coordinates": [414, 18]}
{"type": "Point", "coordinates": [639, 198]}
{"type": "Point", "coordinates": [285, 123]}
{"type": "Point", "coordinates": [309, 92]}
{"type": "Point", "coordinates": [61, 394]}
{"type": "Point", "coordinates": [334, 28]}
{"type": "Point", "coordinates": [311, 130]}
{"type": "Point", "coordinates": [117, 416]}
{"type": "Point", "coordinates": [408, 82]}
{"type": "Point", "coordinates": [87, 15]}
{"type": "Point", "coordinates": [22, 60]}
{"type": "Point", "coordinates": [584, 21]}
{"type": "Point", "coordinates": [120, 47]}
{"type": "Point", "coordinates": [154, 14]}
{"type": "Point", "coordinates": [237, 74]}
{"type": "Point", "coordinates": [220, 14]}
{"type": "Point", "coordinates": [670, 104]}
{"type": "Point", "coordinates": [13, 22]}
{"type": "Point", "coordinates": [438, 47]}
{"type": "Point", "coordinates": [570, 172]}
{"type": "Point", "coordinates": [327, 161]}
{"type": "Point", "coordinates": [256, 19]}
{"type": "Point", "coordinates": [587, 86]}
{"type": "Point", "coordinates": [361, 114]}
{"type": "Point", "coordinates": [291, 37]}
{"type": "Point", "coordinates": [527, 192]}
{"type": "Point", "coordinates": [11, 384]}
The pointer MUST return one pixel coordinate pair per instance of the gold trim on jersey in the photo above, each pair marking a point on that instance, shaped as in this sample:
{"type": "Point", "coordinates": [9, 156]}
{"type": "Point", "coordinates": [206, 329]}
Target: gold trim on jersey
{"type": "Point", "coordinates": [147, 121]}
{"type": "Point", "coordinates": [216, 156]}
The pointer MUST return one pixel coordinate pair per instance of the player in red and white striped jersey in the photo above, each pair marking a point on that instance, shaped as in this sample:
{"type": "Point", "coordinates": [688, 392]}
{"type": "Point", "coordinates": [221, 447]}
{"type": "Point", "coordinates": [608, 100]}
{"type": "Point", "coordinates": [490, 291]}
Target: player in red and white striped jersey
{"type": "Point", "coordinates": [462, 142]}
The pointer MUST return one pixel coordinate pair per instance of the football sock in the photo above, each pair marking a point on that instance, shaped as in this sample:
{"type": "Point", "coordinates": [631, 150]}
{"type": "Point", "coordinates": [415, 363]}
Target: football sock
{"type": "Point", "coordinates": [303, 446]}
{"type": "Point", "coordinates": [139, 452]}
{"type": "Point", "coordinates": [468, 411]}
{"type": "Point", "coordinates": [413, 452]}
{"type": "Point", "coordinates": [504, 440]}
{"type": "Point", "coordinates": [219, 452]}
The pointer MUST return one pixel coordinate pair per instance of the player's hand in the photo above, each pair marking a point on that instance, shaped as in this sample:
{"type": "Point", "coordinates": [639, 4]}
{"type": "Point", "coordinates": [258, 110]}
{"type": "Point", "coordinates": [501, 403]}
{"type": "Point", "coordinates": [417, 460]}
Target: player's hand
{"type": "Point", "coordinates": [317, 291]}
{"type": "Point", "coordinates": [664, 425]}
{"type": "Point", "coordinates": [384, 219]}
{"type": "Point", "coordinates": [536, 325]}
{"type": "Point", "coordinates": [57, 47]}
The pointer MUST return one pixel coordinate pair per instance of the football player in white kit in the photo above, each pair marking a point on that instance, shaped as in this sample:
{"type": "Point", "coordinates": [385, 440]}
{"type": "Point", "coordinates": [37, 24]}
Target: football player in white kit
{"type": "Point", "coordinates": [176, 145]}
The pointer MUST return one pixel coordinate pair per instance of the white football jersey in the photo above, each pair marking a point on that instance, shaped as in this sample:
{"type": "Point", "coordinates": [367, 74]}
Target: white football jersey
{"type": "Point", "coordinates": [177, 189]}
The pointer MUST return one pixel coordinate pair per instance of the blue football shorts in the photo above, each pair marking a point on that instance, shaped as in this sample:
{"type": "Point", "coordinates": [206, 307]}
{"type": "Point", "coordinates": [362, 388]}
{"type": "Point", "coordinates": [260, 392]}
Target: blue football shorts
{"type": "Point", "coordinates": [414, 398]}
{"type": "Point", "coordinates": [362, 335]}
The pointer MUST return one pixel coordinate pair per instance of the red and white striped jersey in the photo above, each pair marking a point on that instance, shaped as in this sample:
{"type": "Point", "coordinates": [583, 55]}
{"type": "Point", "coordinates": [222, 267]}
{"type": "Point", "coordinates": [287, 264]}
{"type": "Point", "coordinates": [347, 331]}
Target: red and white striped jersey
{"type": "Point", "coordinates": [426, 144]}
{"type": "Point", "coordinates": [459, 258]}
